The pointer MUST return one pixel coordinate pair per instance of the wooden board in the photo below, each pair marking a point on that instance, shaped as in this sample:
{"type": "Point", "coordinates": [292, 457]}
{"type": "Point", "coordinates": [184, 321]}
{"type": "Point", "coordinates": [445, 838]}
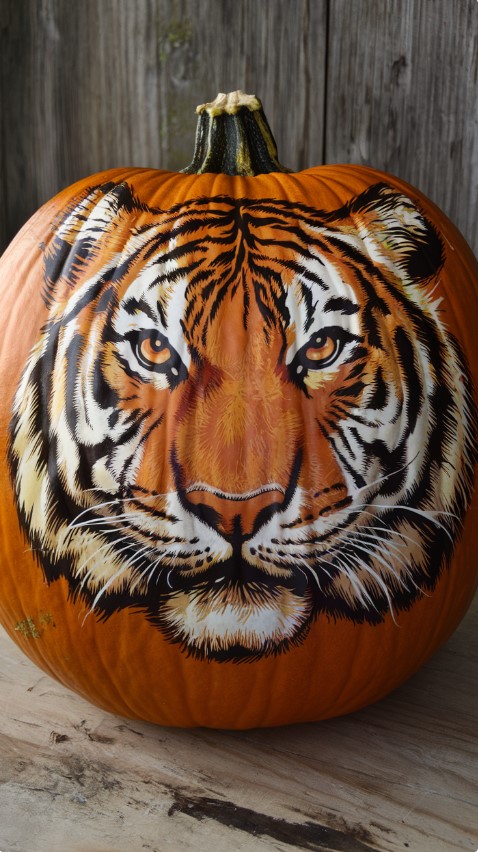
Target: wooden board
{"type": "Point", "coordinates": [89, 86]}
{"type": "Point", "coordinates": [401, 775]}
{"type": "Point", "coordinates": [402, 96]}
{"type": "Point", "coordinates": [92, 85]}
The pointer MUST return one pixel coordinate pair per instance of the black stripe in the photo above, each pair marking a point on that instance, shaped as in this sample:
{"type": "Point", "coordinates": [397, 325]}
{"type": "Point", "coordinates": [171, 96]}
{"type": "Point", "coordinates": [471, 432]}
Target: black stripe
{"type": "Point", "coordinates": [356, 476]}
{"type": "Point", "coordinates": [309, 304]}
{"type": "Point", "coordinates": [381, 394]}
{"type": "Point", "coordinates": [340, 303]}
{"type": "Point", "coordinates": [350, 391]}
{"type": "Point", "coordinates": [406, 356]}
{"type": "Point", "coordinates": [133, 305]}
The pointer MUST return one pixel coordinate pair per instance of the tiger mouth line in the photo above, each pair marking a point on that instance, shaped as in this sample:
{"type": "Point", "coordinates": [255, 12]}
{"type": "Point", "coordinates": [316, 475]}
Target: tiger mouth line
{"type": "Point", "coordinates": [239, 496]}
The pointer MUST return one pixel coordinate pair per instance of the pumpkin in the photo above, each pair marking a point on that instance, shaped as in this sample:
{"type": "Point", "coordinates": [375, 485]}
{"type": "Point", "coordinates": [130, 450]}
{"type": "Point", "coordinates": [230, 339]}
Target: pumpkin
{"type": "Point", "coordinates": [240, 430]}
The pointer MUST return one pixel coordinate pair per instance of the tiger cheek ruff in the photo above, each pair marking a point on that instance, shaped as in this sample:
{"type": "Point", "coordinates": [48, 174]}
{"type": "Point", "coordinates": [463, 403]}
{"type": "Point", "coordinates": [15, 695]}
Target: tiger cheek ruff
{"type": "Point", "coordinates": [244, 413]}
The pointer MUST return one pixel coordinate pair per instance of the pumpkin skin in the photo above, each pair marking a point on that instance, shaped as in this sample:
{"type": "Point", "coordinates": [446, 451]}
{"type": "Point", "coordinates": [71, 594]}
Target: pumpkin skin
{"type": "Point", "coordinates": [269, 638]}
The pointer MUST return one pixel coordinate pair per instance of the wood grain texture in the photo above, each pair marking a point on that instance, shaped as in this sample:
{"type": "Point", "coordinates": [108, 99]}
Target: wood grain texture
{"type": "Point", "coordinates": [90, 85]}
{"type": "Point", "coordinates": [400, 775]}
{"type": "Point", "coordinates": [402, 95]}
{"type": "Point", "coordinates": [93, 85]}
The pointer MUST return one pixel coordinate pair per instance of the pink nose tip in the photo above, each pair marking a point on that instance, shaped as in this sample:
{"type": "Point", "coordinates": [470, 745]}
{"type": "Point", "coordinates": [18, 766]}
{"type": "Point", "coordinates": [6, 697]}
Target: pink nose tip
{"type": "Point", "coordinates": [236, 512]}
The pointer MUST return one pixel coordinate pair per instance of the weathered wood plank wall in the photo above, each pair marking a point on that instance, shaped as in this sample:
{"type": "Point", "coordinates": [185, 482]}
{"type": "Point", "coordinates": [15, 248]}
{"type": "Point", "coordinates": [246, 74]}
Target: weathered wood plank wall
{"type": "Point", "coordinates": [103, 83]}
{"type": "Point", "coordinates": [402, 95]}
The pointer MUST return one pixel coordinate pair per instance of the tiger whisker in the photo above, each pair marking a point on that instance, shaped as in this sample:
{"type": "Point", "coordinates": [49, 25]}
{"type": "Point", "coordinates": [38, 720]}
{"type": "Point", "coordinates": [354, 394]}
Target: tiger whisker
{"type": "Point", "coordinates": [162, 568]}
{"type": "Point", "coordinates": [93, 509]}
{"type": "Point", "coordinates": [339, 565]}
{"type": "Point", "coordinates": [155, 565]}
{"type": "Point", "coordinates": [323, 562]}
{"type": "Point", "coordinates": [406, 565]}
{"type": "Point", "coordinates": [367, 532]}
{"type": "Point", "coordinates": [375, 540]}
{"type": "Point", "coordinates": [124, 568]}
{"type": "Point", "coordinates": [400, 545]}
{"type": "Point", "coordinates": [89, 574]}
{"type": "Point", "coordinates": [386, 476]}
{"type": "Point", "coordinates": [305, 575]}
{"type": "Point", "coordinates": [121, 521]}
{"type": "Point", "coordinates": [131, 561]}
{"type": "Point", "coordinates": [381, 560]}
{"type": "Point", "coordinates": [390, 531]}
{"type": "Point", "coordinates": [115, 519]}
{"type": "Point", "coordinates": [379, 581]}
{"type": "Point", "coordinates": [413, 509]}
{"type": "Point", "coordinates": [378, 553]}
{"type": "Point", "coordinates": [110, 530]}
{"type": "Point", "coordinates": [151, 567]}
{"type": "Point", "coordinates": [115, 502]}
{"type": "Point", "coordinates": [103, 590]}
{"type": "Point", "coordinates": [148, 570]}
{"type": "Point", "coordinates": [138, 558]}
{"type": "Point", "coordinates": [424, 513]}
{"type": "Point", "coordinates": [354, 580]}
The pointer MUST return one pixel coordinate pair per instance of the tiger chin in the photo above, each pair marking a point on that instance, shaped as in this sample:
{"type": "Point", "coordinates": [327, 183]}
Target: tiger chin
{"type": "Point", "coordinates": [247, 417]}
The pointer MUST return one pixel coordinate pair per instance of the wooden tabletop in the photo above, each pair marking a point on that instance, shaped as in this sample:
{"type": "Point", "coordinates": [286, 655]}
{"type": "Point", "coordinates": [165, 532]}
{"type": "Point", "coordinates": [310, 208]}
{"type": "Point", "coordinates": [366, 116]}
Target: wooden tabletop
{"type": "Point", "coordinates": [401, 775]}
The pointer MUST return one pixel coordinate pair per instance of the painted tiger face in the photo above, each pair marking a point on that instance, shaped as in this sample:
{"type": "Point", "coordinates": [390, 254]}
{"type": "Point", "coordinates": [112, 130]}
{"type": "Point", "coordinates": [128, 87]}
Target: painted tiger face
{"type": "Point", "coordinates": [243, 415]}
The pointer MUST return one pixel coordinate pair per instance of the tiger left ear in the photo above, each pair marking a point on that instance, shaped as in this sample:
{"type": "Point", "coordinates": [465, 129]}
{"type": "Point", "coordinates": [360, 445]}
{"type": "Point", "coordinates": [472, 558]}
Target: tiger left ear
{"type": "Point", "coordinates": [94, 212]}
{"type": "Point", "coordinates": [396, 233]}
{"type": "Point", "coordinates": [84, 227]}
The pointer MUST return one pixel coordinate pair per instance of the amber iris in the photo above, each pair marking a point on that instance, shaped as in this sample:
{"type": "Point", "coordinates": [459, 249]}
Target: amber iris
{"type": "Point", "coordinates": [323, 350]}
{"type": "Point", "coordinates": [154, 351]}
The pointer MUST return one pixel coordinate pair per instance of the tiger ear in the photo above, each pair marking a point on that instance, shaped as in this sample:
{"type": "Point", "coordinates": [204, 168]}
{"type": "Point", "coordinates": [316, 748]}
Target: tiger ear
{"type": "Point", "coordinates": [396, 233]}
{"type": "Point", "coordinates": [93, 213]}
{"type": "Point", "coordinates": [91, 221]}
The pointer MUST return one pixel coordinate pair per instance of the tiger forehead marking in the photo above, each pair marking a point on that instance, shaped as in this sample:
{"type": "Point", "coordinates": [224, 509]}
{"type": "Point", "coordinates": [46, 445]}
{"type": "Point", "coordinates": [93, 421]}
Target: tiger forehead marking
{"type": "Point", "coordinates": [243, 415]}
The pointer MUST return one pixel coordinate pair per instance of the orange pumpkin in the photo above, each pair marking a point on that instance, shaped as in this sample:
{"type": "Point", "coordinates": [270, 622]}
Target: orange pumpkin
{"type": "Point", "coordinates": [238, 414]}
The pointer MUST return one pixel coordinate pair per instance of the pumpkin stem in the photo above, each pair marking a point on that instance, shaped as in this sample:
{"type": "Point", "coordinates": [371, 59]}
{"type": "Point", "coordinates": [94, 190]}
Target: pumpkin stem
{"type": "Point", "coordinates": [233, 137]}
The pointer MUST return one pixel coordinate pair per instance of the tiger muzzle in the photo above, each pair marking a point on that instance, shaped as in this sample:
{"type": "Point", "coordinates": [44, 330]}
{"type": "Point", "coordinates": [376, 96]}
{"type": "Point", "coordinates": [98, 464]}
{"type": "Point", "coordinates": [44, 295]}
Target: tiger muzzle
{"type": "Point", "coordinates": [236, 516]}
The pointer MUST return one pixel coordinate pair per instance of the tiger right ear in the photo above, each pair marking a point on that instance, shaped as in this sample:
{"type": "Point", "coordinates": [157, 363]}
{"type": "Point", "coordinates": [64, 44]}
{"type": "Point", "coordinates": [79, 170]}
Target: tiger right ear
{"type": "Point", "coordinates": [396, 233]}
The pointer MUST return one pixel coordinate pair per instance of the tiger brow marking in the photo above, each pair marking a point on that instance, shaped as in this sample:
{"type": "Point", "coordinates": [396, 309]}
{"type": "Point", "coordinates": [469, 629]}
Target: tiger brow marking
{"type": "Point", "coordinates": [309, 304]}
{"type": "Point", "coordinates": [173, 275]}
{"type": "Point", "coordinates": [133, 305]}
{"type": "Point", "coordinates": [303, 271]}
{"type": "Point", "coordinates": [341, 303]}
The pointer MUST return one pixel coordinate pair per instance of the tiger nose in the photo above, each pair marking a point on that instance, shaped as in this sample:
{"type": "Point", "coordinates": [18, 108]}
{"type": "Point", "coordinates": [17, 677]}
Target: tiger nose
{"type": "Point", "coordinates": [235, 514]}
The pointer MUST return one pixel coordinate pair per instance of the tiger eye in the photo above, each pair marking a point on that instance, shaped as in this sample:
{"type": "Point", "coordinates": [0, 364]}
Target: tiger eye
{"type": "Point", "coordinates": [324, 349]}
{"type": "Point", "coordinates": [154, 351]}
